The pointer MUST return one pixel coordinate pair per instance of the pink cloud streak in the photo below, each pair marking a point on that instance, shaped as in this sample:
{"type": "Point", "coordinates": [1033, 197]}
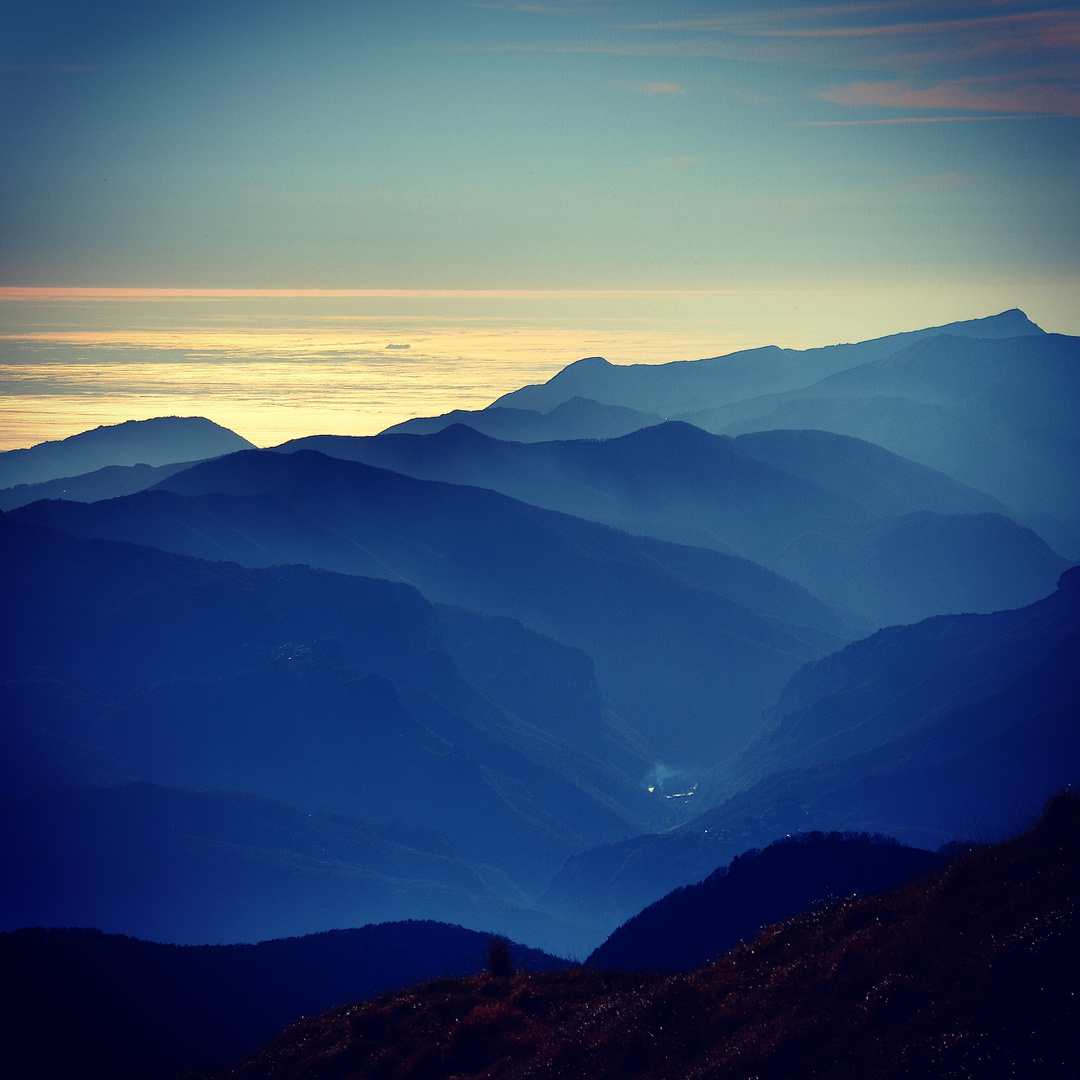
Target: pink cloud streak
{"type": "Point", "coordinates": [958, 94]}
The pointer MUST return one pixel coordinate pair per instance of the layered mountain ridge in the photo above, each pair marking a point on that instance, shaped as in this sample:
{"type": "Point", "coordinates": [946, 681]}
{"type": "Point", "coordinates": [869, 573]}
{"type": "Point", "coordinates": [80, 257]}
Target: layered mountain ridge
{"type": "Point", "coordinates": [529, 669]}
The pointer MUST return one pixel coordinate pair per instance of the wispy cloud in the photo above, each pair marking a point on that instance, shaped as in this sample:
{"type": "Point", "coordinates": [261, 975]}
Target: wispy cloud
{"type": "Point", "coordinates": [966, 94]}
{"type": "Point", "coordinates": [941, 182]}
{"type": "Point", "coordinates": [652, 87]}
{"type": "Point", "coordinates": [55, 69]}
{"type": "Point", "coordinates": [914, 120]}
{"type": "Point", "coordinates": [966, 58]}
{"type": "Point", "coordinates": [1049, 26]}
{"type": "Point", "coordinates": [530, 9]}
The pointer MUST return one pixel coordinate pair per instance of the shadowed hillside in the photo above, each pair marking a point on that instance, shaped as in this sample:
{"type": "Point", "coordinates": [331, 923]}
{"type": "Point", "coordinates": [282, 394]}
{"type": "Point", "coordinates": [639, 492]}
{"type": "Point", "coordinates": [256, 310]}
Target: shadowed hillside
{"type": "Point", "coordinates": [944, 730]}
{"type": "Point", "coordinates": [694, 925]}
{"type": "Point", "coordinates": [704, 640]}
{"type": "Point", "coordinates": [967, 973]}
{"type": "Point", "coordinates": [147, 1010]}
{"type": "Point", "coordinates": [869, 532]}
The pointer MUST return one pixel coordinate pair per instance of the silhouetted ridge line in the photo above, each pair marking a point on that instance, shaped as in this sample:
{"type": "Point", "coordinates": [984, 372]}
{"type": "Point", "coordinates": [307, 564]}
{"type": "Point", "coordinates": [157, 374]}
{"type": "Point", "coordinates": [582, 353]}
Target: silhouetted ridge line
{"type": "Point", "coordinates": [693, 925]}
{"type": "Point", "coordinates": [160, 441]}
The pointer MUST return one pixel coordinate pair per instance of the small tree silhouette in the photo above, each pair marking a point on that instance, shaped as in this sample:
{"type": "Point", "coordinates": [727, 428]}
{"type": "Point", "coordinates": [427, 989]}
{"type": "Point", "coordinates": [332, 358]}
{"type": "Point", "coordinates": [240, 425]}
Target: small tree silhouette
{"type": "Point", "coordinates": [500, 961]}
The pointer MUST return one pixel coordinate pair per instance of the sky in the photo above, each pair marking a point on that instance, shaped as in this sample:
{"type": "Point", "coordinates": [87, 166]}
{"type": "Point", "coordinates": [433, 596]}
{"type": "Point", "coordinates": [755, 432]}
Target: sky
{"type": "Point", "coordinates": [248, 210]}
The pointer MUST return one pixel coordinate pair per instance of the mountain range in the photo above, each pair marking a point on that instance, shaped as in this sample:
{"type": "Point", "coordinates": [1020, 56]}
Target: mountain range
{"type": "Point", "coordinates": [332, 693]}
{"type": "Point", "coordinates": [880, 538]}
{"type": "Point", "coordinates": [529, 669]}
{"type": "Point", "coordinates": [705, 640]}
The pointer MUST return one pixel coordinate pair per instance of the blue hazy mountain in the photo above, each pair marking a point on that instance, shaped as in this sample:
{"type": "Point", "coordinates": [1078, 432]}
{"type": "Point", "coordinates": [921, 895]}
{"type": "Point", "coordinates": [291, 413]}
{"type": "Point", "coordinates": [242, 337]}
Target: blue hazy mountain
{"type": "Point", "coordinates": [886, 484]}
{"type": "Point", "coordinates": [108, 483]}
{"type": "Point", "coordinates": [692, 385]}
{"type": "Point", "coordinates": [331, 692]}
{"type": "Point", "coordinates": [689, 644]}
{"type": "Point", "coordinates": [158, 1009]}
{"type": "Point", "coordinates": [196, 867]}
{"type": "Point", "coordinates": [161, 441]}
{"type": "Point", "coordinates": [576, 418]}
{"type": "Point", "coordinates": [956, 728]}
{"type": "Point", "coordinates": [872, 533]}
{"type": "Point", "coordinates": [999, 415]}
{"type": "Point", "coordinates": [695, 924]}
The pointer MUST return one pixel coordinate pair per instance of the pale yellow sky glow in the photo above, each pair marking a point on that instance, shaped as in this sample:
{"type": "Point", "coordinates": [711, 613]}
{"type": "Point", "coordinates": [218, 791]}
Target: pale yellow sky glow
{"type": "Point", "coordinates": [276, 364]}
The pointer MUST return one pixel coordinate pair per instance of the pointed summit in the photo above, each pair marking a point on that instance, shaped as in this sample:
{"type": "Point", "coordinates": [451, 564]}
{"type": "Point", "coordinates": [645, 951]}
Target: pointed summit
{"type": "Point", "coordinates": [1011, 323]}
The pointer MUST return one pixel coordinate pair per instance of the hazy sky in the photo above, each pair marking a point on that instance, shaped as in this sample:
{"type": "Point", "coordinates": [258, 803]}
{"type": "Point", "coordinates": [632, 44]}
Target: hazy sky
{"type": "Point", "coordinates": [894, 157]}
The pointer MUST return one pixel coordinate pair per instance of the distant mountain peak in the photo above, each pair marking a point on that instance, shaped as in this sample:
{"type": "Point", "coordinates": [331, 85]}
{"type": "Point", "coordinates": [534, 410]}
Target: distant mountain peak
{"type": "Point", "coordinates": [691, 386]}
{"type": "Point", "coordinates": [591, 361]}
{"type": "Point", "coordinates": [161, 440]}
{"type": "Point", "coordinates": [1011, 323]}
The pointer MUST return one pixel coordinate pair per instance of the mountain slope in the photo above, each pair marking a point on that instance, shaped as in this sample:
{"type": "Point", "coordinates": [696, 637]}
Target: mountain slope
{"type": "Point", "coordinates": [147, 1010]}
{"type": "Point", "coordinates": [194, 867]}
{"type": "Point", "coordinates": [684, 386]}
{"type": "Point", "coordinates": [694, 925]}
{"type": "Point", "coordinates": [688, 619]}
{"type": "Point", "coordinates": [886, 484]}
{"type": "Point", "coordinates": [161, 441]}
{"type": "Point", "coordinates": [577, 418]}
{"type": "Point", "coordinates": [949, 729]}
{"type": "Point", "coordinates": [111, 482]}
{"type": "Point", "coordinates": [967, 973]}
{"type": "Point", "coordinates": [998, 415]}
{"type": "Point", "coordinates": [871, 533]}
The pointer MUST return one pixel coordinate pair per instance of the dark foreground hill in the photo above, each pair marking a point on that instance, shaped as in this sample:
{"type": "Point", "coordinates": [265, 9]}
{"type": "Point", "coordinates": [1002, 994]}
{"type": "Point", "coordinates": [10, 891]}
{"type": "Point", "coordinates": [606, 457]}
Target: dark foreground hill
{"type": "Point", "coordinates": [160, 441]}
{"type": "Point", "coordinates": [146, 1009]}
{"type": "Point", "coordinates": [696, 924]}
{"type": "Point", "coordinates": [970, 973]}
